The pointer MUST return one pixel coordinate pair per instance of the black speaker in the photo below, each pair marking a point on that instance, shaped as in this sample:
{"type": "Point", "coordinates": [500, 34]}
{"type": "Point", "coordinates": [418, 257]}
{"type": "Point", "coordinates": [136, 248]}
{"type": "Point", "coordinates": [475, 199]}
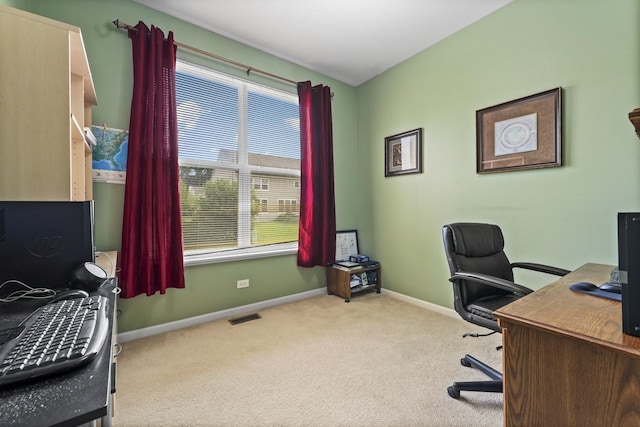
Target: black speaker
{"type": "Point", "coordinates": [629, 266]}
{"type": "Point", "coordinates": [88, 276]}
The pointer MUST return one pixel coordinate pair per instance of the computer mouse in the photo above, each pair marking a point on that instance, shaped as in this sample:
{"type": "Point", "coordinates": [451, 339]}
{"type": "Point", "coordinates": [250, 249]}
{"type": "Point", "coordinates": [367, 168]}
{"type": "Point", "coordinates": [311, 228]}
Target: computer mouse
{"type": "Point", "coordinates": [611, 287]}
{"type": "Point", "coordinates": [68, 294]}
{"type": "Point", "coordinates": [584, 286]}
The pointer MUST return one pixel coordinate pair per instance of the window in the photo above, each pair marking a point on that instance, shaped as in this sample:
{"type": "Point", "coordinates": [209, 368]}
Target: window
{"type": "Point", "coordinates": [288, 206]}
{"type": "Point", "coordinates": [260, 183]}
{"type": "Point", "coordinates": [239, 149]}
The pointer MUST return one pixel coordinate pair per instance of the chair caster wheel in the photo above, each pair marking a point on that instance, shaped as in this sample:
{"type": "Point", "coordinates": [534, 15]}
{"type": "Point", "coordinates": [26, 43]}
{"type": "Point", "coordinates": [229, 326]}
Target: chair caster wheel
{"type": "Point", "coordinates": [453, 391]}
{"type": "Point", "coordinates": [465, 362]}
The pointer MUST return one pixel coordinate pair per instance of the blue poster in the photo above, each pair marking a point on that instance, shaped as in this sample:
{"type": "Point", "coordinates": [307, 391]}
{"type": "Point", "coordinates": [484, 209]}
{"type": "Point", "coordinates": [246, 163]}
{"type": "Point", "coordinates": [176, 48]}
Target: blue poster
{"type": "Point", "coordinates": [110, 154]}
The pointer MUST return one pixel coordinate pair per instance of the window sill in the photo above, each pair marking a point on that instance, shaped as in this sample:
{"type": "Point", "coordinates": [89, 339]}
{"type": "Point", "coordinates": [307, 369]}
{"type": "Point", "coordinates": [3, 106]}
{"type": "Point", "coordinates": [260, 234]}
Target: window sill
{"type": "Point", "coordinates": [196, 258]}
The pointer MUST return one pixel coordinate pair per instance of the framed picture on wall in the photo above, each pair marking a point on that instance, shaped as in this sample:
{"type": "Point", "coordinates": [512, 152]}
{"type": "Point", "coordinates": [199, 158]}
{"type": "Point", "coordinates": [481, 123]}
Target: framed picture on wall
{"type": "Point", "coordinates": [525, 133]}
{"type": "Point", "coordinates": [403, 153]}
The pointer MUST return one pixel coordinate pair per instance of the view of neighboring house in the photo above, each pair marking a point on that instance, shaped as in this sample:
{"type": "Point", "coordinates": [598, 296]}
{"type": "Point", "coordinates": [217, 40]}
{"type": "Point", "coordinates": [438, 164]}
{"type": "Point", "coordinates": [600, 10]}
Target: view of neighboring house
{"type": "Point", "coordinates": [275, 182]}
{"type": "Point", "coordinates": [215, 207]}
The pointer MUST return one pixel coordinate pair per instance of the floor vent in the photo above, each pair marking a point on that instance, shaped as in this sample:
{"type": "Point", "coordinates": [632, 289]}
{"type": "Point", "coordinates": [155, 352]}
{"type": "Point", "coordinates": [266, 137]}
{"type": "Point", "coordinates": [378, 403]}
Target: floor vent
{"type": "Point", "coordinates": [246, 318]}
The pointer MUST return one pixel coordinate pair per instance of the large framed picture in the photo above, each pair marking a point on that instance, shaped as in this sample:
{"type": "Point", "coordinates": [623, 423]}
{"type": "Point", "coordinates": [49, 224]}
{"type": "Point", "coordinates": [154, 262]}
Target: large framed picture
{"type": "Point", "coordinates": [403, 153]}
{"type": "Point", "coordinates": [522, 134]}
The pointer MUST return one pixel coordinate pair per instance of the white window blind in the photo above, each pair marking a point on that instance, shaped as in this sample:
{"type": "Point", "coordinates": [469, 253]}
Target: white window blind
{"type": "Point", "coordinates": [239, 149]}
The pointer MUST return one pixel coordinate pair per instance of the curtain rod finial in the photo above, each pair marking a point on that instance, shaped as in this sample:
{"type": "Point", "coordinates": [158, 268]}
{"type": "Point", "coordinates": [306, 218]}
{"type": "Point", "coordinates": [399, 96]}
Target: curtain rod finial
{"type": "Point", "coordinates": [120, 25]}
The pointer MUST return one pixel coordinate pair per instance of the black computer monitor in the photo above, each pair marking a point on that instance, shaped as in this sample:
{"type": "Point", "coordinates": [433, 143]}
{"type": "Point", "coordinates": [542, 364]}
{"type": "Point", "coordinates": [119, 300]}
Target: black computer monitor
{"type": "Point", "coordinates": [629, 270]}
{"type": "Point", "coordinates": [41, 242]}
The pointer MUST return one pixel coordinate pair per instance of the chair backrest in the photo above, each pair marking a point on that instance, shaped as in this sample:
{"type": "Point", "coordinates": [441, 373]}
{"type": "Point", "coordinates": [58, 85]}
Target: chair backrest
{"type": "Point", "coordinates": [479, 248]}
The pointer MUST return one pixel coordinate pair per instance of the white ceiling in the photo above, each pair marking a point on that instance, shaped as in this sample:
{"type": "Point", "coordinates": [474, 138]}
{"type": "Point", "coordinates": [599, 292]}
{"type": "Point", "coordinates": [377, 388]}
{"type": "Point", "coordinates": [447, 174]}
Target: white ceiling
{"type": "Point", "coordinates": [349, 40]}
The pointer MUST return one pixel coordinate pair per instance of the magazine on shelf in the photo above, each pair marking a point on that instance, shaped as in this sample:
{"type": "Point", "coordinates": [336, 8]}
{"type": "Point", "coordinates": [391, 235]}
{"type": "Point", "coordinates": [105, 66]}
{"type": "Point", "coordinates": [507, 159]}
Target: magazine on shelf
{"type": "Point", "coordinates": [347, 265]}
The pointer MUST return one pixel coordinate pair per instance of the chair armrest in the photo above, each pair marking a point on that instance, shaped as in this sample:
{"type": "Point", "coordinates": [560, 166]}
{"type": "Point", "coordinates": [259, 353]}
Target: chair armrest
{"type": "Point", "coordinates": [541, 268]}
{"type": "Point", "coordinates": [496, 282]}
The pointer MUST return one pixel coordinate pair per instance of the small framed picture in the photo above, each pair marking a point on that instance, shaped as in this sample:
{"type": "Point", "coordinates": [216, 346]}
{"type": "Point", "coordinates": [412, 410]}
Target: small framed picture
{"type": "Point", "coordinates": [525, 133]}
{"type": "Point", "coordinates": [403, 153]}
{"type": "Point", "coordinates": [346, 244]}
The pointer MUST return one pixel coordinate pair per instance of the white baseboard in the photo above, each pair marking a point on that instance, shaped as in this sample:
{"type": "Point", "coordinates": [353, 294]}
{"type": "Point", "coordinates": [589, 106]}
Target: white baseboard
{"type": "Point", "coordinates": [244, 309]}
{"type": "Point", "coordinates": [422, 303]}
{"type": "Point", "coordinates": [222, 314]}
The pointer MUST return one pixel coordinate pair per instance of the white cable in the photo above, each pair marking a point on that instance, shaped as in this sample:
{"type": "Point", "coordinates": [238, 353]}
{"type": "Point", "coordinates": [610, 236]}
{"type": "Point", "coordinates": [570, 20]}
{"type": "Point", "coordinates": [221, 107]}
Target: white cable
{"type": "Point", "coordinates": [29, 292]}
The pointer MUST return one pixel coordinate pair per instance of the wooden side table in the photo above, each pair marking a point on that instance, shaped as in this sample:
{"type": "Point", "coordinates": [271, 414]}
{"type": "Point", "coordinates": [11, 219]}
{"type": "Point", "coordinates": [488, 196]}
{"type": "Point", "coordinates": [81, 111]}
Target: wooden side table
{"type": "Point", "coordinates": [339, 280]}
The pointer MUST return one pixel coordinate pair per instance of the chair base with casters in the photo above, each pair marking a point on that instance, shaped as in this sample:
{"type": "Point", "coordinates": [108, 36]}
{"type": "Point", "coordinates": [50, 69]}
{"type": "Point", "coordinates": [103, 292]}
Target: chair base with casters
{"type": "Point", "coordinates": [493, 386]}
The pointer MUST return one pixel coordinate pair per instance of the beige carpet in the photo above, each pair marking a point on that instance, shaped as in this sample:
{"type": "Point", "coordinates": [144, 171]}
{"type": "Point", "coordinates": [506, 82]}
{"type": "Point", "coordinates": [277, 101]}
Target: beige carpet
{"type": "Point", "coordinates": [376, 361]}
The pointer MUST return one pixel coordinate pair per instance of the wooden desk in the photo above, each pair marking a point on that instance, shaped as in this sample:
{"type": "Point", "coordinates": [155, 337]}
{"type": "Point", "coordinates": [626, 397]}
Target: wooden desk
{"type": "Point", "coordinates": [566, 360]}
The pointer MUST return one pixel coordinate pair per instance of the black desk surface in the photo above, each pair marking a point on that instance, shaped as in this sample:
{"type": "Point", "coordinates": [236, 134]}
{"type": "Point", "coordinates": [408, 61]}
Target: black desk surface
{"type": "Point", "coordinates": [68, 399]}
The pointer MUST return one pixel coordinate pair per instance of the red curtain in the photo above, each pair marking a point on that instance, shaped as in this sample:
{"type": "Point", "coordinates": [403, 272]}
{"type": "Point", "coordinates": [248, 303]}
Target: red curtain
{"type": "Point", "coordinates": [151, 256]}
{"type": "Point", "coordinates": [317, 227]}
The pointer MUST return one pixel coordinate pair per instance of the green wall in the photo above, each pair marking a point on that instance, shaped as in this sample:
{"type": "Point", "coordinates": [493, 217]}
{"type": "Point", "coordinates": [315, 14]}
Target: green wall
{"type": "Point", "coordinates": [564, 216]}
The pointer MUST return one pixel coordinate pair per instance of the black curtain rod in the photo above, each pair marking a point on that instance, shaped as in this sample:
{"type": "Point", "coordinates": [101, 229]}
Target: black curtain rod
{"type": "Point", "coordinates": [121, 25]}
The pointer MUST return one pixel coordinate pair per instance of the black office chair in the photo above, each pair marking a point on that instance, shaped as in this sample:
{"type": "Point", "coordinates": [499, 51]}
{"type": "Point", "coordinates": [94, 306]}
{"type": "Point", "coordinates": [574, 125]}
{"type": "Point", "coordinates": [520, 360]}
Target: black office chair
{"type": "Point", "coordinates": [482, 278]}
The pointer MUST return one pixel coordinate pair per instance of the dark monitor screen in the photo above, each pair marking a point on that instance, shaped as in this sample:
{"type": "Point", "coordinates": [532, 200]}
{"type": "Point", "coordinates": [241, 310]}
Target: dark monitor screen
{"type": "Point", "coordinates": [42, 242]}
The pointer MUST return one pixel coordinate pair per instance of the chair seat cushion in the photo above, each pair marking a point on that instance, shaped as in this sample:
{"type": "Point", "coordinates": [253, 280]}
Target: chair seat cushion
{"type": "Point", "coordinates": [484, 307]}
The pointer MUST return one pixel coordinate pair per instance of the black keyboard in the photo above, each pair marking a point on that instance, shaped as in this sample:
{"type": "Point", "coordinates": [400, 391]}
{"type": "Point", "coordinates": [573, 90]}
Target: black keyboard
{"type": "Point", "coordinates": [55, 338]}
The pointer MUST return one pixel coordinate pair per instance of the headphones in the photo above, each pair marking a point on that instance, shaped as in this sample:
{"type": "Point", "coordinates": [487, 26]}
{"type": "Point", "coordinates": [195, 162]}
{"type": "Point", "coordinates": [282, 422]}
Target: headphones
{"type": "Point", "coordinates": [88, 276]}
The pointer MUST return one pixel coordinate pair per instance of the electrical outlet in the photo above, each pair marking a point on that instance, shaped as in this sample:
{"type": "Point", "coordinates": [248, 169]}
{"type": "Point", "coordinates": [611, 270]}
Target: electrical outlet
{"type": "Point", "coordinates": [244, 283]}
